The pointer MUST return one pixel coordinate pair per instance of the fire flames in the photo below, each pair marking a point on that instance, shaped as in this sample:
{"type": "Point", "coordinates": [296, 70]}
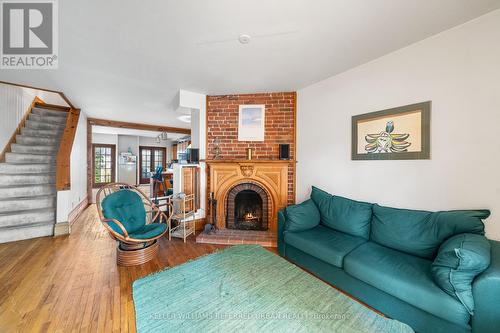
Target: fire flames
{"type": "Point", "coordinates": [250, 216]}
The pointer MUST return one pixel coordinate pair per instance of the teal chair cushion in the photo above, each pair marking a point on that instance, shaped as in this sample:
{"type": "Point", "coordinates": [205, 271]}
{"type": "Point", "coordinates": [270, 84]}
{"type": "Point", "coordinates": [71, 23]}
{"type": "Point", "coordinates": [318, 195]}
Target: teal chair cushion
{"type": "Point", "coordinates": [420, 232]}
{"type": "Point", "coordinates": [342, 214]}
{"type": "Point", "coordinates": [324, 243]}
{"type": "Point", "coordinates": [405, 277]}
{"type": "Point", "coordinates": [149, 231]}
{"type": "Point", "coordinates": [126, 207]}
{"type": "Point", "coordinates": [302, 216]}
{"type": "Point", "coordinates": [460, 259]}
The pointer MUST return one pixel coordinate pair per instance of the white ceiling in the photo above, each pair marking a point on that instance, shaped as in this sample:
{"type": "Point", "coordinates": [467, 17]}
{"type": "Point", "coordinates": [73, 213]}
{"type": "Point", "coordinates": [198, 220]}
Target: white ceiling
{"type": "Point", "coordinates": [135, 132]}
{"type": "Point", "coordinates": [126, 60]}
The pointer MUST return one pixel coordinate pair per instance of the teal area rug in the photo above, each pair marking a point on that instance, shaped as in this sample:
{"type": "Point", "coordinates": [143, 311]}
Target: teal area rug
{"type": "Point", "coordinates": [246, 288]}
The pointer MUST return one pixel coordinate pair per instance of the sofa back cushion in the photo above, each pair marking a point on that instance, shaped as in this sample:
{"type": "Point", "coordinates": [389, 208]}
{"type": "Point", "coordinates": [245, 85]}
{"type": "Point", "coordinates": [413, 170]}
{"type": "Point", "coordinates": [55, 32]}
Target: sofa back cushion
{"type": "Point", "coordinates": [459, 260]}
{"type": "Point", "coordinates": [302, 217]}
{"type": "Point", "coordinates": [420, 232]}
{"type": "Point", "coordinates": [342, 214]}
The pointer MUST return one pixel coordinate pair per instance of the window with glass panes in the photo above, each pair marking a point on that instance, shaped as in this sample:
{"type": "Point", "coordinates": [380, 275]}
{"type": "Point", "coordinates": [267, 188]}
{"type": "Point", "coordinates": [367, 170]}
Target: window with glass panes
{"type": "Point", "coordinates": [104, 164]}
{"type": "Point", "coordinates": [151, 158]}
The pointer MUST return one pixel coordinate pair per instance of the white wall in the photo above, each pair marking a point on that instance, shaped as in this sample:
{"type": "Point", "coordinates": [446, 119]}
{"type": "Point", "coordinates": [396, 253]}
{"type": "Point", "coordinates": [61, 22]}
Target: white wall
{"type": "Point", "coordinates": [197, 103]}
{"type": "Point", "coordinates": [459, 71]}
{"type": "Point", "coordinates": [14, 102]}
{"type": "Point", "coordinates": [148, 141]}
{"type": "Point", "coordinates": [106, 139]}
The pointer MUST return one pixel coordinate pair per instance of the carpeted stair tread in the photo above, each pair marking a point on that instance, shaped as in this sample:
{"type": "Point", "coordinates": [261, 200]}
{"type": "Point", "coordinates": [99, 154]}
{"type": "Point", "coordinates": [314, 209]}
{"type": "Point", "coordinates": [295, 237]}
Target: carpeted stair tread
{"type": "Point", "coordinates": [47, 119]}
{"type": "Point", "coordinates": [40, 133]}
{"type": "Point", "coordinates": [33, 140]}
{"type": "Point", "coordinates": [34, 149]}
{"type": "Point", "coordinates": [49, 112]}
{"type": "Point", "coordinates": [28, 231]}
{"type": "Point", "coordinates": [11, 168]}
{"type": "Point", "coordinates": [27, 179]}
{"type": "Point", "coordinates": [42, 125]}
{"type": "Point", "coordinates": [23, 191]}
{"type": "Point", "coordinates": [18, 158]}
{"type": "Point", "coordinates": [9, 205]}
{"type": "Point", "coordinates": [27, 217]}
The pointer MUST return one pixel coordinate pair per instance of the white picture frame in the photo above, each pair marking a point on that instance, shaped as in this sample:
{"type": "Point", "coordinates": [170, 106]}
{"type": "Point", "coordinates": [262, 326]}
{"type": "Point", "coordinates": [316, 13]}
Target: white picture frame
{"type": "Point", "coordinates": [251, 122]}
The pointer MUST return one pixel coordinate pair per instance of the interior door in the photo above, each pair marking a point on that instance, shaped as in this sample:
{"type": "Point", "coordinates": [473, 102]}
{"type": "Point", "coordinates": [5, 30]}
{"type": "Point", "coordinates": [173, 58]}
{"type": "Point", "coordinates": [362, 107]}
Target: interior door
{"type": "Point", "coordinates": [191, 184]}
{"type": "Point", "coordinates": [150, 159]}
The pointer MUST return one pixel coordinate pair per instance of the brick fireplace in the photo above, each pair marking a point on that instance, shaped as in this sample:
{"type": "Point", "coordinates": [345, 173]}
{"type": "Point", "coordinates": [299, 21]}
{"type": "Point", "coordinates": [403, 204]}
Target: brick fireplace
{"type": "Point", "coordinates": [247, 207]}
{"type": "Point", "coordinates": [268, 179]}
{"type": "Point", "coordinates": [249, 193]}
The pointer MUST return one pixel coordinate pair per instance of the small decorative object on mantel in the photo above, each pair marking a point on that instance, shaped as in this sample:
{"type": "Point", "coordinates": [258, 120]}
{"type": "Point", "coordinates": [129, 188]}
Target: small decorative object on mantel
{"type": "Point", "coordinates": [401, 133]}
{"type": "Point", "coordinates": [249, 153]}
{"type": "Point", "coordinates": [284, 149]}
{"type": "Point", "coordinates": [216, 149]}
{"type": "Point", "coordinates": [251, 122]}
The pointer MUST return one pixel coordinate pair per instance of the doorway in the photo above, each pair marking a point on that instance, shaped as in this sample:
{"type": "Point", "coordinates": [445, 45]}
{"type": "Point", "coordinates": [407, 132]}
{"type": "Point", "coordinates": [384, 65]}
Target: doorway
{"type": "Point", "coordinates": [149, 159]}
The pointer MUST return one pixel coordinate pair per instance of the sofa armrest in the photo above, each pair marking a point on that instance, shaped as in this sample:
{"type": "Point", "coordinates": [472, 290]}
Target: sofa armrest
{"type": "Point", "coordinates": [281, 232]}
{"type": "Point", "coordinates": [486, 293]}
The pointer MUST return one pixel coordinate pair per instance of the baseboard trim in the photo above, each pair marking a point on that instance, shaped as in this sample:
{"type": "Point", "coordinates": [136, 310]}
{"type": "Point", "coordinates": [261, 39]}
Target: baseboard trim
{"type": "Point", "coordinates": [61, 229]}
{"type": "Point", "coordinates": [64, 228]}
{"type": "Point", "coordinates": [75, 213]}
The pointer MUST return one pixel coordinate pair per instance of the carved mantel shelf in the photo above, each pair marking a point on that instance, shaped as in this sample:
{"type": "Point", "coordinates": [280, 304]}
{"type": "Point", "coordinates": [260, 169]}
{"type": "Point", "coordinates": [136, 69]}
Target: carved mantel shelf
{"type": "Point", "coordinates": [248, 161]}
{"type": "Point", "coordinates": [270, 175]}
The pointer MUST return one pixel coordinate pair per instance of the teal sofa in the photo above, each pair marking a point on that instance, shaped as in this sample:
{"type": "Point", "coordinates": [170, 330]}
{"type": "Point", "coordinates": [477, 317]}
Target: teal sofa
{"type": "Point", "coordinates": [434, 271]}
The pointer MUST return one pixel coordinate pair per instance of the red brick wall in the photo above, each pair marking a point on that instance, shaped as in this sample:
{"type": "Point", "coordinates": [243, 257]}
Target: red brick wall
{"type": "Point", "coordinates": [222, 122]}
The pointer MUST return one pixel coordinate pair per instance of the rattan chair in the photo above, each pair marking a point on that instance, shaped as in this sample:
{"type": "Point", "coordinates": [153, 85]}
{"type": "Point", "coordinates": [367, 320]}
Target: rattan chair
{"type": "Point", "coordinates": [133, 220]}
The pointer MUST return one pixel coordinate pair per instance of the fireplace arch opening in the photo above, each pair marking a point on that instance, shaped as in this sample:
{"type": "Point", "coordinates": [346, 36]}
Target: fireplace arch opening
{"type": "Point", "coordinates": [247, 208]}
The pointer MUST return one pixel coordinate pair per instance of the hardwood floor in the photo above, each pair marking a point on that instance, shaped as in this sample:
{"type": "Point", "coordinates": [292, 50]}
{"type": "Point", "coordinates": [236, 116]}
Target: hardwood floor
{"type": "Point", "coordinates": [72, 283]}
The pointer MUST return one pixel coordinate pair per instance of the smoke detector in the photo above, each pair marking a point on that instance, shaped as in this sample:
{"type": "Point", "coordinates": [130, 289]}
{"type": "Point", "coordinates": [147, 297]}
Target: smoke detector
{"type": "Point", "coordinates": [244, 39]}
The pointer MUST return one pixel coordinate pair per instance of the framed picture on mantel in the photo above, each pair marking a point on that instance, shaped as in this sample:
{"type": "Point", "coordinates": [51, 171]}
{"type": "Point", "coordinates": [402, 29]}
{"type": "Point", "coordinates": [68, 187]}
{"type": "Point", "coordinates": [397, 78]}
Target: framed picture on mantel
{"type": "Point", "coordinates": [401, 133]}
{"type": "Point", "coordinates": [251, 122]}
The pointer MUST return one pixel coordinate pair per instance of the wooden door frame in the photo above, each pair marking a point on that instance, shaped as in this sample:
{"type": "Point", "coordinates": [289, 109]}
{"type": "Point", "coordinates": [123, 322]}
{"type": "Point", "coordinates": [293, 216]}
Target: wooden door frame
{"type": "Point", "coordinates": [164, 149]}
{"type": "Point", "coordinates": [113, 163]}
{"type": "Point", "coordinates": [111, 123]}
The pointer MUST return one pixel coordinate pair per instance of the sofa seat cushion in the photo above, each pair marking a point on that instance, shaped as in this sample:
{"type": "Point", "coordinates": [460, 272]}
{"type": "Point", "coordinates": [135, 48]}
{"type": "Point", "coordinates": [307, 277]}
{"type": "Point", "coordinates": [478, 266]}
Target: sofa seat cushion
{"type": "Point", "coordinates": [324, 243]}
{"type": "Point", "coordinates": [406, 277]}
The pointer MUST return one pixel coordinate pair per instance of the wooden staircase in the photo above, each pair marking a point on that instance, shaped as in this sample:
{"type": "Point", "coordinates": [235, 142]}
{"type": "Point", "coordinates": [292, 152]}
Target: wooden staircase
{"type": "Point", "coordinates": [28, 175]}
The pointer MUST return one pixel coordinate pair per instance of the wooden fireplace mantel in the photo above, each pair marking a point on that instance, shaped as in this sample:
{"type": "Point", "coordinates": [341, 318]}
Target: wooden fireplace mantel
{"type": "Point", "coordinates": [248, 161]}
{"type": "Point", "coordinates": [270, 175]}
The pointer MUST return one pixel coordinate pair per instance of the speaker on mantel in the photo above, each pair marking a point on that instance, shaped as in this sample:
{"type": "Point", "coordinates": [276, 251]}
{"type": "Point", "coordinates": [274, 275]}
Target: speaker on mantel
{"type": "Point", "coordinates": [284, 151]}
{"type": "Point", "coordinates": [194, 155]}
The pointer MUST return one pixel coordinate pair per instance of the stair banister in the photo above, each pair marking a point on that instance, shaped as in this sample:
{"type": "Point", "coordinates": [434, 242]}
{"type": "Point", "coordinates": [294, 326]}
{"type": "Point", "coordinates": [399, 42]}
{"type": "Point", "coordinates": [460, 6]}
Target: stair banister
{"type": "Point", "coordinates": [63, 164]}
{"type": "Point", "coordinates": [63, 180]}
